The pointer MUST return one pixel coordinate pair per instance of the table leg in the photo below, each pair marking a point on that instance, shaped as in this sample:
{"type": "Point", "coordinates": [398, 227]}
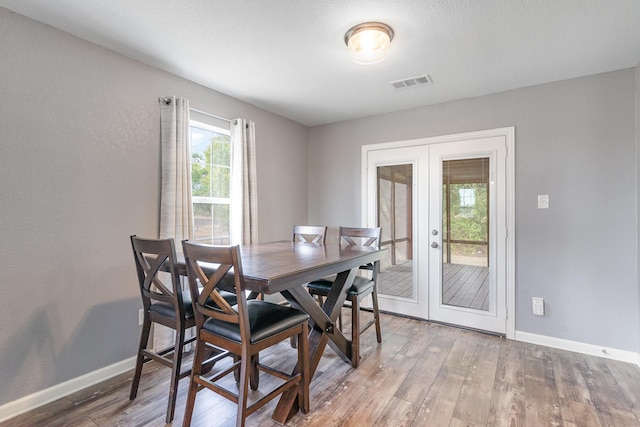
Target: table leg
{"type": "Point", "coordinates": [322, 330]}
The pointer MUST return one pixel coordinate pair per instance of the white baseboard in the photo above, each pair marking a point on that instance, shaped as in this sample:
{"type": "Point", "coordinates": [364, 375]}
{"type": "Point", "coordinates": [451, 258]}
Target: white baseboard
{"type": "Point", "coordinates": [35, 400]}
{"type": "Point", "coordinates": [578, 347]}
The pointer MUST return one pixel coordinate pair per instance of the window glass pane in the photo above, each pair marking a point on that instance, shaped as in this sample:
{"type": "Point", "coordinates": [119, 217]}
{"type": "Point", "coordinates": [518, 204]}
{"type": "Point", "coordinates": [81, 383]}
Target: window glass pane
{"type": "Point", "coordinates": [219, 184]}
{"type": "Point", "coordinates": [395, 210]}
{"type": "Point", "coordinates": [221, 225]}
{"type": "Point", "coordinates": [211, 223]}
{"type": "Point", "coordinates": [210, 176]}
{"type": "Point", "coordinates": [210, 163]}
{"type": "Point", "coordinates": [384, 209]}
{"type": "Point", "coordinates": [202, 222]}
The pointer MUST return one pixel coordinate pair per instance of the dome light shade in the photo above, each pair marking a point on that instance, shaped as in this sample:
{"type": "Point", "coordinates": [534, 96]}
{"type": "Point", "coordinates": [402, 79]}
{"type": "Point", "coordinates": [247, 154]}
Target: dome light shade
{"type": "Point", "coordinates": [369, 42]}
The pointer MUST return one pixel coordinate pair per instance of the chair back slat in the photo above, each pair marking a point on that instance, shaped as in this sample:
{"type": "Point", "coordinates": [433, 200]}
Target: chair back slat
{"type": "Point", "coordinates": [209, 266]}
{"type": "Point", "coordinates": [153, 257]}
{"type": "Point", "coordinates": [309, 233]}
{"type": "Point", "coordinates": [153, 286]}
{"type": "Point", "coordinates": [209, 289]}
{"type": "Point", "coordinates": [365, 236]}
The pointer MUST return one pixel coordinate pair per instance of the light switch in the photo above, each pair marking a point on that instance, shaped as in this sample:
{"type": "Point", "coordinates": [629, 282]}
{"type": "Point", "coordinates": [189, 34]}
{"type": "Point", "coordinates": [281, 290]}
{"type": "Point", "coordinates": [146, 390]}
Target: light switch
{"type": "Point", "coordinates": [543, 201]}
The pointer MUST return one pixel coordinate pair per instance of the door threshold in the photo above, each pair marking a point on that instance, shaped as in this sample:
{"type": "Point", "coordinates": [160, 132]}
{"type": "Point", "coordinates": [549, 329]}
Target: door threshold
{"type": "Point", "coordinates": [467, 328]}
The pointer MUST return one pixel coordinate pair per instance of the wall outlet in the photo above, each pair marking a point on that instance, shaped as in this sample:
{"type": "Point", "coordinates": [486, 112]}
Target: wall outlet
{"type": "Point", "coordinates": [538, 306]}
{"type": "Point", "coordinates": [140, 317]}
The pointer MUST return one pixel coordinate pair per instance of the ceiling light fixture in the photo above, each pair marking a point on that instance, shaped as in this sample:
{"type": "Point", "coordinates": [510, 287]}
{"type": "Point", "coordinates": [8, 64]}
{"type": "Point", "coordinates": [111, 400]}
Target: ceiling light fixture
{"type": "Point", "coordinates": [369, 42]}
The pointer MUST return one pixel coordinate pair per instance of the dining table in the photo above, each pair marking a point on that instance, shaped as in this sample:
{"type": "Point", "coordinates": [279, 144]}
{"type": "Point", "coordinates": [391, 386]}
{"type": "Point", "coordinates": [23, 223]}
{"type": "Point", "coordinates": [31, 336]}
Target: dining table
{"type": "Point", "coordinates": [284, 267]}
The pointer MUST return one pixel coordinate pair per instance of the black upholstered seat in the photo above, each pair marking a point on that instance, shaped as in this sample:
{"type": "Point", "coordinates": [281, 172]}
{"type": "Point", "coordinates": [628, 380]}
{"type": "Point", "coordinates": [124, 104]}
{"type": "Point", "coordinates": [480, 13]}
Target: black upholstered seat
{"type": "Point", "coordinates": [265, 319]}
{"type": "Point", "coordinates": [323, 286]}
{"type": "Point", "coordinates": [168, 308]}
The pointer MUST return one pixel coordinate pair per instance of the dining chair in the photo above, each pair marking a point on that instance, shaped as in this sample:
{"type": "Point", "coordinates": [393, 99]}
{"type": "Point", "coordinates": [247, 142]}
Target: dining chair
{"type": "Point", "coordinates": [309, 233]}
{"type": "Point", "coordinates": [362, 286]}
{"type": "Point", "coordinates": [244, 329]}
{"type": "Point", "coordinates": [163, 303]}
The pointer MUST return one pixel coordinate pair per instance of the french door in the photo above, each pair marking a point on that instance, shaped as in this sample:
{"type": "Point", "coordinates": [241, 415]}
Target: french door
{"type": "Point", "coordinates": [396, 177]}
{"type": "Point", "coordinates": [442, 206]}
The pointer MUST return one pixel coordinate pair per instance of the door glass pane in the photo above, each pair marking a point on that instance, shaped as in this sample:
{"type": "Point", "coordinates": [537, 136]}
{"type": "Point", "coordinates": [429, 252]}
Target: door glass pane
{"type": "Point", "coordinates": [465, 240]}
{"type": "Point", "coordinates": [395, 200]}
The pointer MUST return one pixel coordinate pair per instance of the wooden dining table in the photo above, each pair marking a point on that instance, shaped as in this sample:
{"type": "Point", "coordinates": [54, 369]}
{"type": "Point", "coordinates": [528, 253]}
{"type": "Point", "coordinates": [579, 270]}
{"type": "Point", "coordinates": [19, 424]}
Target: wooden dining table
{"type": "Point", "coordinates": [285, 267]}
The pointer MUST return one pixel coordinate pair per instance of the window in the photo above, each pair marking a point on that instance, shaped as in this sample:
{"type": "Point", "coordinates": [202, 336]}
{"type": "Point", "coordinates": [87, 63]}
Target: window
{"type": "Point", "coordinates": [210, 179]}
{"type": "Point", "coordinates": [467, 197]}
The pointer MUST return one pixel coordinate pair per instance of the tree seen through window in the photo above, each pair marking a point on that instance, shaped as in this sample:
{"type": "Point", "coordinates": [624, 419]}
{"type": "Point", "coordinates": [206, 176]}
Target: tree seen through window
{"type": "Point", "coordinates": [210, 177]}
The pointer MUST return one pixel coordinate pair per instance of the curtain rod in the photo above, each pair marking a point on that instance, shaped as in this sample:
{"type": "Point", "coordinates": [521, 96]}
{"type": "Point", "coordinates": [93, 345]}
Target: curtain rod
{"type": "Point", "coordinates": [168, 101]}
{"type": "Point", "coordinates": [213, 115]}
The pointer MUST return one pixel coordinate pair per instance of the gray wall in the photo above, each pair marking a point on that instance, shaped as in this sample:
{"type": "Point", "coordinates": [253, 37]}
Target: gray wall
{"type": "Point", "coordinates": [637, 172]}
{"type": "Point", "coordinates": [79, 157]}
{"type": "Point", "coordinates": [576, 142]}
{"type": "Point", "coordinates": [79, 171]}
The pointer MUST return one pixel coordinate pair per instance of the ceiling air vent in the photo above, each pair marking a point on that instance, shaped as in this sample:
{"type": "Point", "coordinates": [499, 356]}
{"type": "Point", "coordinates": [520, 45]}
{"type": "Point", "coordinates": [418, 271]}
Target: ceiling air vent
{"type": "Point", "coordinates": [416, 81]}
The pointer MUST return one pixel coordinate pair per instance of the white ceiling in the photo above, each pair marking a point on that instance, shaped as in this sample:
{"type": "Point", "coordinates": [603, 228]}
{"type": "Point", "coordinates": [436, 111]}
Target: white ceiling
{"type": "Point", "coordinates": [289, 57]}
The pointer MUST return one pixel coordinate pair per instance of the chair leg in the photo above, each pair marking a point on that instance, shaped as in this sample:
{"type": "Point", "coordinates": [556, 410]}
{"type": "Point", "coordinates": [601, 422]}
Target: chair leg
{"type": "Point", "coordinates": [243, 389]}
{"type": "Point", "coordinates": [254, 373]}
{"type": "Point", "coordinates": [196, 370]}
{"type": "Point", "coordinates": [175, 373]}
{"type": "Point", "coordinates": [376, 315]}
{"type": "Point", "coordinates": [144, 339]}
{"type": "Point", "coordinates": [236, 372]}
{"type": "Point", "coordinates": [355, 331]}
{"type": "Point", "coordinates": [303, 362]}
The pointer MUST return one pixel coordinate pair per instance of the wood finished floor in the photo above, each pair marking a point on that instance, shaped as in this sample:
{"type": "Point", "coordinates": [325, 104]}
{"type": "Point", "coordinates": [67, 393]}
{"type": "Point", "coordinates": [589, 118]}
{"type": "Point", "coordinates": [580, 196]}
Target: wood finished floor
{"type": "Point", "coordinates": [422, 374]}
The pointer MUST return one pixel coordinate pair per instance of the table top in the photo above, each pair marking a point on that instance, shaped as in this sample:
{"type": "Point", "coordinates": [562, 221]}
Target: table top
{"type": "Point", "coordinates": [277, 266]}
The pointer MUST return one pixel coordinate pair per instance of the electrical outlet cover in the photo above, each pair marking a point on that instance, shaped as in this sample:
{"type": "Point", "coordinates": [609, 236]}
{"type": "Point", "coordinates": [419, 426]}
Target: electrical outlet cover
{"type": "Point", "coordinates": [538, 306]}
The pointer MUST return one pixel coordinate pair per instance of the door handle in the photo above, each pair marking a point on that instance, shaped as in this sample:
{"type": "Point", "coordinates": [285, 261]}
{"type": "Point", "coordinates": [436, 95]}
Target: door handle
{"type": "Point", "coordinates": [434, 245]}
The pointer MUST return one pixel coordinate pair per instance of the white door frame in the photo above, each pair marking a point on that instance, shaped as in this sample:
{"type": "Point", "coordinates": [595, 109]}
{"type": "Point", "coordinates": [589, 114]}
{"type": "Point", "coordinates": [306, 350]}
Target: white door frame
{"type": "Point", "coordinates": [508, 133]}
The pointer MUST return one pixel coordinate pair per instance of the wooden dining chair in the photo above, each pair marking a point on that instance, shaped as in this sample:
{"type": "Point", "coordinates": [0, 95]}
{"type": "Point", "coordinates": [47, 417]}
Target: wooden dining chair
{"type": "Point", "coordinates": [362, 286]}
{"type": "Point", "coordinates": [163, 303]}
{"type": "Point", "coordinates": [243, 329]}
{"type": "Point", "coordinates": [309, 233]}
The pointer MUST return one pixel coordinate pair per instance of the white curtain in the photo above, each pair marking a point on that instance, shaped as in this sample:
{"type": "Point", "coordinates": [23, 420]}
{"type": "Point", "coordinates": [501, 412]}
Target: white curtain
{"type": "Point", "coordinates": [244, 196]}
{"type": "Point", "coordinates": [176, 210]}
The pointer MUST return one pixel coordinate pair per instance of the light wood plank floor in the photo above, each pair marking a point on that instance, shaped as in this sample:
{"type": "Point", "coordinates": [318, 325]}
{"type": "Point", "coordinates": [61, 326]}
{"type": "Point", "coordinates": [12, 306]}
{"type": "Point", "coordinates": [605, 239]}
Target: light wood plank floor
{"type": "Point", "coordinates": [423, 374]}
